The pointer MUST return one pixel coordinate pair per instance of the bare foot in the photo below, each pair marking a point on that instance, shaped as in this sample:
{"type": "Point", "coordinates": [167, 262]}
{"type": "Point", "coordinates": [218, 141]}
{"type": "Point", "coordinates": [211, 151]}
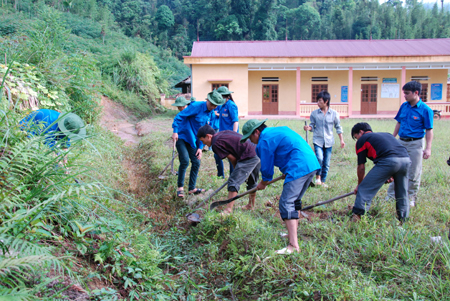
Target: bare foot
{"type": "Point", "coordinates": [226, 212]}
{"type": "Point", "coordinates": [247, 207]}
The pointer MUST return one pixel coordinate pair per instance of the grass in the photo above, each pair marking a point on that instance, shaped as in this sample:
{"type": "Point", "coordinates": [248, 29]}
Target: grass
{"type": "Point", "coordinates": [232, 258]}
{"type": "Point", "coordinates": [139, 244]}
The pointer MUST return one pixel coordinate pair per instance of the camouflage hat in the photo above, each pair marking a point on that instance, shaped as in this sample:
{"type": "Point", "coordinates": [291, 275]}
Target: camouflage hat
{"type": "Point", "coordinates": [224, 90]}
{"type": "Point", "coordinates": [249, 127]}
{"type": "Point", "coordinates": [181, 102]}
{"type": "Point", "coordinates": [215, 98]}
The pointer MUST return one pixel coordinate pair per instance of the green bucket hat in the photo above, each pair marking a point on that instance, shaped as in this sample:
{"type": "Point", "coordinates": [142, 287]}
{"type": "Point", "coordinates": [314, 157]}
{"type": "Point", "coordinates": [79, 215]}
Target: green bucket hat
{"type": "Point", "coordinates": [192, 99]}
{"type": "Point", "coordinates": [249, 127]}
{"type": "Point", "coordinates": [215, 98]}
{"type": "Point", "coordinates": [181, 102]}
{"type": "Point", "coordinates": [224, 90]}
{"type": "Point", "coordinates": [72, 126]}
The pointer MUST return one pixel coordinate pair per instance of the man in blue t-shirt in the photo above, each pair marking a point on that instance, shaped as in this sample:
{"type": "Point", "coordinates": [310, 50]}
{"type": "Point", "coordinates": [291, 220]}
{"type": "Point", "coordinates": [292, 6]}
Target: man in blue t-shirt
{"type": "Point", "coordinates": [414, 122]}
{"type": "Point", "coordinates": [185, 127]}
{"type": "Point", "coordinates": [284, 148]}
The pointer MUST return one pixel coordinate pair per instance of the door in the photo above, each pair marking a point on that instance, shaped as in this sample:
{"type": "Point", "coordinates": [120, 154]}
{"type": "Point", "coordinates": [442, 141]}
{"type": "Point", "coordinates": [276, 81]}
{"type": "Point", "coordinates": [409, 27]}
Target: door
{"type": "Point", "coordinates": [369, 99]}
{"type": "Point", "coordinates": [270, 99]}
{"type": "Point", "coordinates": [424, 93]}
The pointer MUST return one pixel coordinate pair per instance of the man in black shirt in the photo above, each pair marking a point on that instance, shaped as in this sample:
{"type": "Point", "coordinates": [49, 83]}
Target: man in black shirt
{"type": "Point", "coordinates": [227, 144]}
{"type": "Point", "coordinates": [391, 161]}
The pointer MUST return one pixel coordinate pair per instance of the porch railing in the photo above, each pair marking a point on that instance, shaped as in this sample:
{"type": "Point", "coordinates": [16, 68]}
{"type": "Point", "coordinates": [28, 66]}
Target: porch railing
{"type": "Point", "coordinates": [307, 108]}
{"type": "Point", "coordinates": [443, 106]}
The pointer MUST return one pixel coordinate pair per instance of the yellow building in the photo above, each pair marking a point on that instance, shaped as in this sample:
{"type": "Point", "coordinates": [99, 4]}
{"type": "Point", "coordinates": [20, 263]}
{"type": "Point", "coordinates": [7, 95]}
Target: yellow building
{"type": "Point", "coordinates": [364, 77]}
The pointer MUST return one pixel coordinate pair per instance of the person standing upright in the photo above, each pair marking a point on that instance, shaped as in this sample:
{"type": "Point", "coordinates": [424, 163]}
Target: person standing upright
{"type": "Point", "coordinates": [185, 127]}
{"type": "Point", "coordinates": [414, 122]}
{"type": "Point", "coordinates": [215, 125]}
{"type": "Point", "coordinates": [229, 117]}
{"type": "Point", "coordinates": [322, 122]}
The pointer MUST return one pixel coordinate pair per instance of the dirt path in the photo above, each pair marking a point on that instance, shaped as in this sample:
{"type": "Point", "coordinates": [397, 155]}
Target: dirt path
{"type": "Point", "coordinates": [119, 121]}
{"type": "Point", "coordinates": [125, 125]}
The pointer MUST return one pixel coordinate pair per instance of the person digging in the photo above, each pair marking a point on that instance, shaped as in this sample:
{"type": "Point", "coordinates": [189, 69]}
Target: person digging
{"type": "Point", "coordinates": [181, 103]}
{"type": "Point", "coordinates": [284, 148]}
{"type": "Point", "coordinates": [391, 161]}
{"type": "Point", "coordinates": [185, 127]}
{"type": "Point", "coordinates": [57, 127]}
{"type": "Point", "coordinates": [227, 144]}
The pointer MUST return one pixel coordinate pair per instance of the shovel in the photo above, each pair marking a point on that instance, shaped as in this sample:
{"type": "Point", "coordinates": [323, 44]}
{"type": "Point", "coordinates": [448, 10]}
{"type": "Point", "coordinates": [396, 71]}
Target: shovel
{"type": "Point", "coordinates": [306, 132]}
{"type": "Point", "coordinates": [173, 156]}
{"type": "Point", "coordinates": [328, 201]}
{"type": "Point", "coordinates": [194, 217]}
{"type": "Point", "coordinates": [221, 203]}
{"type": "Point", "coordinates": [160, 176]}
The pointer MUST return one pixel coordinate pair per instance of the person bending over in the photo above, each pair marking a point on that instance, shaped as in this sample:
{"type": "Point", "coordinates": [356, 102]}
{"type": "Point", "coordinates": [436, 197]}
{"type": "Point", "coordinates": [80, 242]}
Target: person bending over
{"type": "Point", "coordinates": [391, 164]}
{"type": "Point", "coordinates": [227, 144]}
{"type": "Point", "coordinates": [284, 148]}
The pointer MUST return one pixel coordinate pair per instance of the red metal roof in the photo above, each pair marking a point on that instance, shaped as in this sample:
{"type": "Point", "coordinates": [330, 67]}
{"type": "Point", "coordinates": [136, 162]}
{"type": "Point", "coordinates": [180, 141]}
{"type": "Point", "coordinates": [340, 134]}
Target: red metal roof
{"type": "Point", "coordinates": [322, 48]}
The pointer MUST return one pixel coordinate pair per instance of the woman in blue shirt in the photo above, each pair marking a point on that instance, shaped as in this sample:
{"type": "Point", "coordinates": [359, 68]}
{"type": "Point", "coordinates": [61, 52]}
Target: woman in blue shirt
{"type": "Point", "coordinates": [228, 120]}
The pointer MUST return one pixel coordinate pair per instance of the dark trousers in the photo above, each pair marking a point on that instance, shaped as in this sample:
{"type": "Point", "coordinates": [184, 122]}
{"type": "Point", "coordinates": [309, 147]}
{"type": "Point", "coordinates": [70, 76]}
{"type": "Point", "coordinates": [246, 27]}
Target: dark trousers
{"type": "Point", "coordinates": [219, 164]}
{"type": "Point", "coordinates": [186, 152]}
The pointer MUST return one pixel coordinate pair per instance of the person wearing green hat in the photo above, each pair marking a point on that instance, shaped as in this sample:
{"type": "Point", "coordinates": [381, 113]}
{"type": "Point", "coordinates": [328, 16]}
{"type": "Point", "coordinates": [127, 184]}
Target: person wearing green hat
{"type": "Point", "coordinates": [185, 127]}
{"type": "Point", "coordinates": [181, 103]}
{"type": "Point", "coordinates": [228, 121]}
{"type": "Point", "coordinates": [284, 148]}
{"type": "Point", "coordinates": [60, 129]}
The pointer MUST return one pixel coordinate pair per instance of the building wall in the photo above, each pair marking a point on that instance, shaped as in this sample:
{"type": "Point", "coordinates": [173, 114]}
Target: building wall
{"type": "Point", "coordinates": [438, 76]}
{"type": "Point", "coordinates": [336, 79]}
{"type": "Point", "coordinates": [384, 105]}
{"type": "Point", "coordinates": [247, 86]}
{"type": "Point", "coordinates": [287, 97]}
{"type": "Point", "coordinates": [391, 105]}
{"type": "Point", "coordinates": [238, 74]}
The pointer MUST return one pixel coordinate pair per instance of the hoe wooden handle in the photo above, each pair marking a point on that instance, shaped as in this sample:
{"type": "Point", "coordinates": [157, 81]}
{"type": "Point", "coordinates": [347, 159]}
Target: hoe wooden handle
{"type": "Point", "coordinates": [221, 203]}
{"type": "Point", "coordinates": [328, 201]}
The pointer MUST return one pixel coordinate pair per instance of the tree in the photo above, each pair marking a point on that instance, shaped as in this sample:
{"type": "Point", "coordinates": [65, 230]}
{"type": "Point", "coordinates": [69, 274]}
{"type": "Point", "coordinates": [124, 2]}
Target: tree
{"type": "Point", "coordinates": [304, 21]}
{"type": "Point", "coordinates": [263, 26]}
{"type": "Point", "coordinates": [164, 17]}
{"type": "Point", "coordinates": [228, 29]}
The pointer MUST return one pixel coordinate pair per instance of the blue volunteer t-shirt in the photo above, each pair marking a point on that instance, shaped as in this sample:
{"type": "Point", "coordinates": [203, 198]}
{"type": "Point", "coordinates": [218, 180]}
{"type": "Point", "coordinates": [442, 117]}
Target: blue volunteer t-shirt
{"type": "Point", "coordinates": [215, 119]}
{"type": "Point", "coordinates": [284, 148]}
{"type": "Point", "coordinates": [414, 120]}
{"type": "Point", "coordinates": [228, 116]}
{"type": "Point", "coordinates": [44, 122]}
{"type": "Point", "coordinates": [188, 122]}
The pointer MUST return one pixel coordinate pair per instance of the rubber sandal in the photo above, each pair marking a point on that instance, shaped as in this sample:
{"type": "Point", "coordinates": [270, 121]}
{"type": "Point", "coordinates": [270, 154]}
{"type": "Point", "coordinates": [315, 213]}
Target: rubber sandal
{"type": "Point", "coordinates": [180, 194]}
{"type": "Point", "coordinates": [198, 191]}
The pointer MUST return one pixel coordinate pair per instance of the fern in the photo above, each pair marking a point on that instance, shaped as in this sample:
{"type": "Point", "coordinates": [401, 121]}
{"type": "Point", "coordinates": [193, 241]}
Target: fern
{"type": "Point", "coordinates": [16, 294]}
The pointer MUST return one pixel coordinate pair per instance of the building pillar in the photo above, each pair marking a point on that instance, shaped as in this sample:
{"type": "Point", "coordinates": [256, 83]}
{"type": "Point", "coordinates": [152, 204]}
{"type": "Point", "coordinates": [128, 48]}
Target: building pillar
{"type": "Point", "coordinates": [350, 91]}
{"type": "Point", "coordinates": [403, 83]}
{"type": "Point", "coordinates": [297, 84]}
{"type": "Point", "coordinates": [192, 81]}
